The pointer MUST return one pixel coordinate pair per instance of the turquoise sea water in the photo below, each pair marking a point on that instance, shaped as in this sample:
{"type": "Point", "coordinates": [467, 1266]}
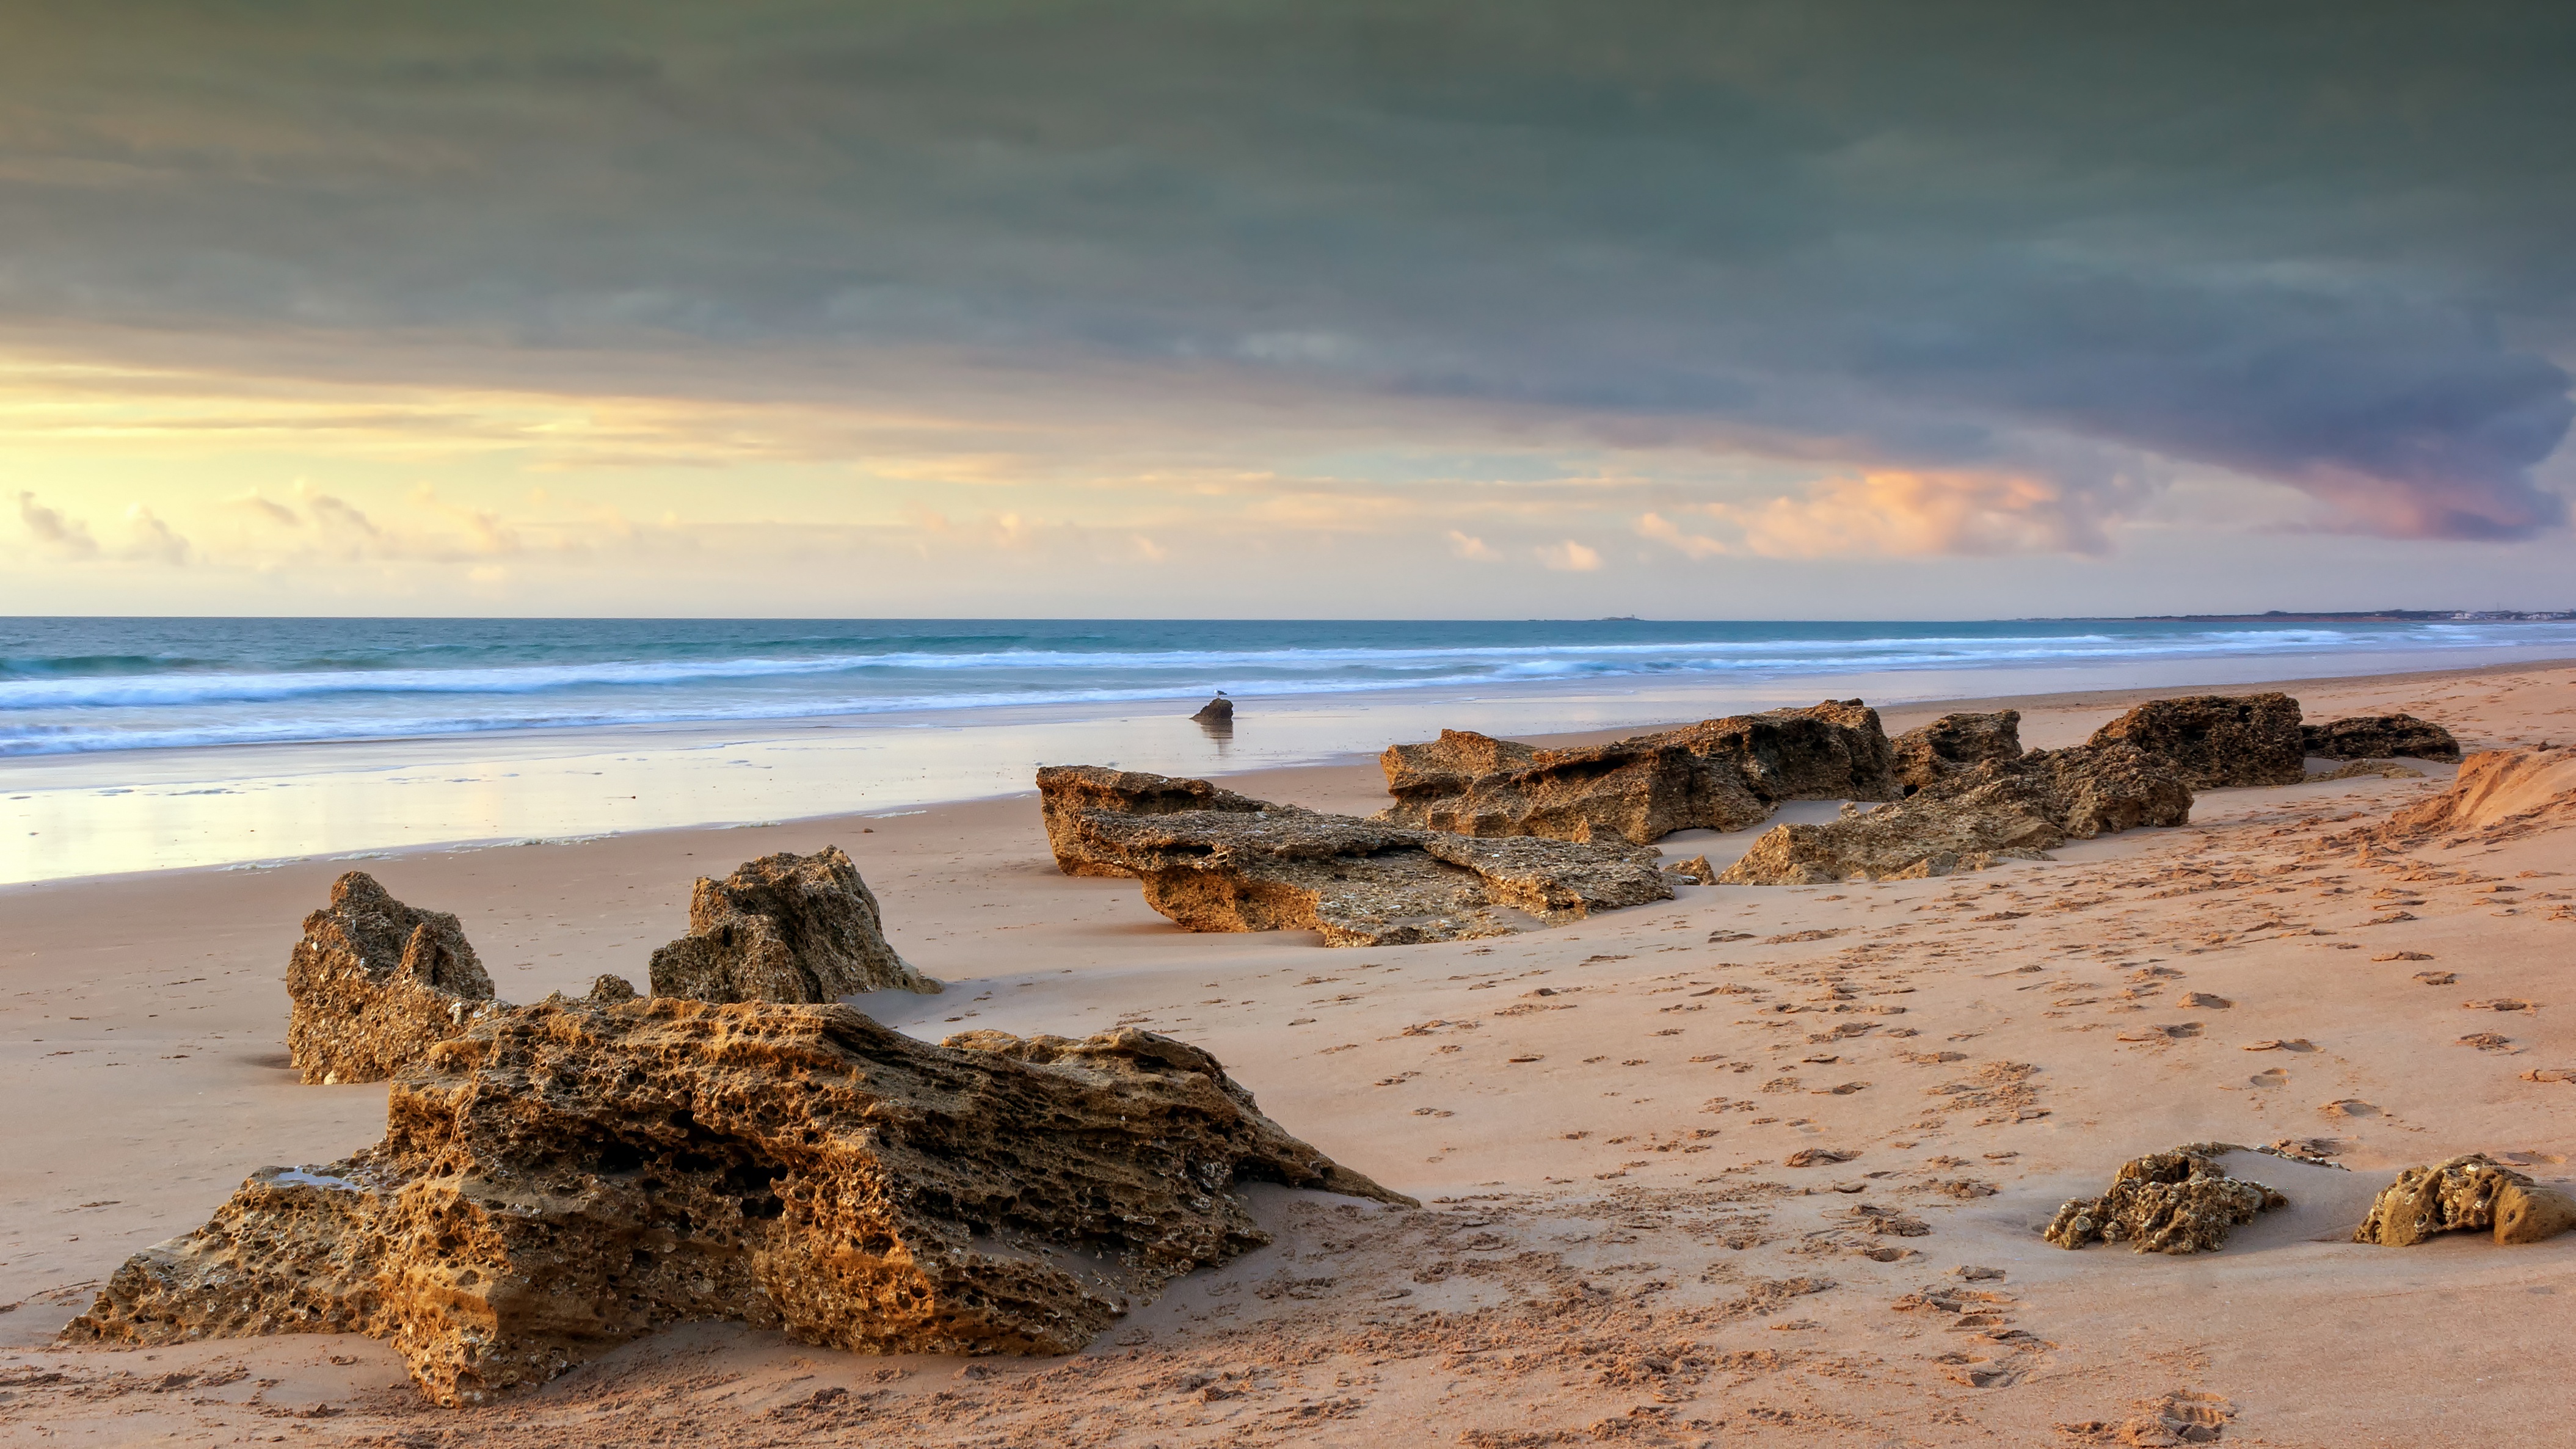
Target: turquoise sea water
{"type": "Point", "coordinates": [70, 686]}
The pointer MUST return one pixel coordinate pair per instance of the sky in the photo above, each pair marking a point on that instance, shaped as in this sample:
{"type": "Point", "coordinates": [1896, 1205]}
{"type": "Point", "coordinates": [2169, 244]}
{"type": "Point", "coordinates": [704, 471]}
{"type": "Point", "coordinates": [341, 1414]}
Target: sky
{"type": "Point", "coordinates": [1151, 309]}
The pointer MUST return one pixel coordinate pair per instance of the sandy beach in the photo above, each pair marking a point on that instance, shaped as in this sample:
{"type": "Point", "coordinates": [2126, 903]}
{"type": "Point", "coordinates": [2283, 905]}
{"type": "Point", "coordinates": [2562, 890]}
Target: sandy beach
{"type": "Point", "coordinates": [1600, 1119]}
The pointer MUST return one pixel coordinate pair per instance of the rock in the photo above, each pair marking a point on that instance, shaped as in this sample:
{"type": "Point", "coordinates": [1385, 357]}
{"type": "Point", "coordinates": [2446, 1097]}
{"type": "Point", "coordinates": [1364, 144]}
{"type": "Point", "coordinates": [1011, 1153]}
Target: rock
{"type": "Point", "coordinates": [1358, 882]}
{"type": "Point", "coordinates": [1955, 742]}
{"type": "Point", "coordinates": [1972, 818]}
{"type": "Point", "coordinates": [1696, 870]}
{"type": "Point", "coordinates": [1720, 774]}
{"type": "Point", "coordinates": [784, 928]}
{"type": "Point", "coordinates": [1067, 790]}
{"type": "Point", "coordinates": [2166, 1202]}
{"type": "Point", "coordinates": [1217, 711]}
{"type": "Point", "coordinates": [569, 1176]}
{"type": "Point", "coordinates": [2465, 1194]}
{"type": "Point", "coordinates": [2214, 741]}
{"type": "Point", "coordinates": [374, 982]}
{"type": "Point", "coordinates": [610, 989]}
{"type": "Point", "coordinates": [2379, 737]}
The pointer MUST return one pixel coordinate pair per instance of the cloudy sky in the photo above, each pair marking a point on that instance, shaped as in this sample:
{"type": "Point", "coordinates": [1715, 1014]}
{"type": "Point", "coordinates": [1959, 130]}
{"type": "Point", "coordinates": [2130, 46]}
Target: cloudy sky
{"type": "Point", "coordinates": [1143, 308]}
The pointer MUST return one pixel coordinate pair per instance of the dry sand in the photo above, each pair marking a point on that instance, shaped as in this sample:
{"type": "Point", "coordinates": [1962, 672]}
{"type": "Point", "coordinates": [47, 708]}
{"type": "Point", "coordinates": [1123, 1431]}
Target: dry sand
{"type": "Point", "coordinates": [1602, 1120]}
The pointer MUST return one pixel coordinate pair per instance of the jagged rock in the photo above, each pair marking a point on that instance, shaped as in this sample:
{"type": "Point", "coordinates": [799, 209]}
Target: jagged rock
{"type": "Point", "coordinates": [374, 982]}
{"type": "Point", "coordinates": [1971, 818]}
{"type": "Point", "coordinates": [610, 989]}
{"type": "Point", "coordinates": [1696, 870]}
{"type": "Point", "coordinates": [1358, 882]}
{"type": "Point", "coordinates": [2166, 1202]}
{"type": "Point", "coordinates": [2379, 737]}
{"type": "Point", "coordinates": [784, 928]}
{"type": "Point", "coordinates": [1065, 791]}
{"type": "Point", "coordinates": [1217, 711]}
{"type": "Point", "coordinates": [2465, 1194]}
{"type": "Point", "coordinates": [2217, 740]}
{"type": "Point", "coordinates": [569, 1176]}
{"type": "Point", "coordinates": [1720, 774]}
{"type": "Point", "coordinates": [1955, 742]}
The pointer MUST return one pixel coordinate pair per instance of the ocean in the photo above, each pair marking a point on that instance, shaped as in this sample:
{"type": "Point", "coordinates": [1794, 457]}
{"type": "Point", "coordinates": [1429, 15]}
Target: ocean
{"type": "Point", "coordinates": [158, 744]}
{"type": "Point", "coordinates": [72, 686]}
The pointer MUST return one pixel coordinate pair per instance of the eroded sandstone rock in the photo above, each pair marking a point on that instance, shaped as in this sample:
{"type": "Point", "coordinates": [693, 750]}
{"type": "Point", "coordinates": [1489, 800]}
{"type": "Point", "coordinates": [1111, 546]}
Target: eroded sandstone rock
{"type": "Point", "coordinates": [1065, 791]}
{"type": "Point", "coordinates": [2379, 737]}
{"type": "Point", "coordinates": [2181, 1201]}
{"type": "Point", "coordinates": [2214, 741]}
{"type": "Point", "coordinates": [1720, 774]}
{"type": "Point", "coordinates": [2500, 795]}
{"type": "Point", "coordinates": [2466, 1194]}
{"type": "Point", "coordinates": [1358, 882]}
{"type": "Point", "coordinates": [1974, 817]}
{"type": "Point", "coordinates": [1953, 743]}
{"type": "Point", "coordinates": [784, 928]}
{"type": "Point", "coordinates": [374, 982]}
{"type": "Point", "coordinates": [571, 1175]}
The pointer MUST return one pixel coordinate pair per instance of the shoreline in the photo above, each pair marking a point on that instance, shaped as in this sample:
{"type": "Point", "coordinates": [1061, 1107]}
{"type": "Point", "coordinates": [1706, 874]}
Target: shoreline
{"type": "Point", "coordinates": [1898, 713]}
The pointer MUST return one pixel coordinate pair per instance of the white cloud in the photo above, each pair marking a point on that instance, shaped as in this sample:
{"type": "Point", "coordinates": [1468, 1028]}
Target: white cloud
{"type": "Point", "coordinates": [1692, 545]}
{"type": "Point", "coordinates": [57, 534]}
{"type": "Point", "coordinates": [1569, 557]}
{"type": "Point", "coordinates": [1467, 545]}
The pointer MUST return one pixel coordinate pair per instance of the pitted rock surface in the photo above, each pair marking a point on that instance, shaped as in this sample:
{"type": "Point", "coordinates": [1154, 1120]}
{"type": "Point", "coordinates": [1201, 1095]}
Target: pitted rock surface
{"type": "Point", "coordinates": [2380, 737]}
{"type": "Point", "coordinates": [2468, 1194]}
{"type": "Point", "coordinates": [2214, 741]}
{"type": "Point", "coordinates": [1720, 774]}
{"type": "Point", "coordinates": [374, 982]}
{"type": "Point", "coordinates": [1359, 882]}
{"type": "Point", "coordinates": [1969, 819]}
{"type": "Point", "coordinates": [2181, 1201]}
{"type": "Point", "coordinates": [1065, 791]}
{"type": "Point", "coordinates": [788, 928]}
{"type": "Point", "coordinates": [1953, 743]}
{"type": "Point", "coordinates": [570, 1175]}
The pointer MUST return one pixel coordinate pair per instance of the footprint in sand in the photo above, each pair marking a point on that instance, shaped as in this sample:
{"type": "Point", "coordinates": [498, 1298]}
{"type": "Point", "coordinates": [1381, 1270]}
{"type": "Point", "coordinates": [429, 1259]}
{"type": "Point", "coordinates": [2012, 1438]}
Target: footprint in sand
{"type": "Point", "coordinates": [2206, 1001]}
{"type": "Point", "coordinates": [2281, 1044]}
{"type": "Point", "coordinates": [2349, 1107]}
{"type": "Point", "coordinates": [2272, 1077]}
{"type": "Point", "coordinates": [2437, 978]}
{"type": "Point", "coordinates": [2487, 1041]}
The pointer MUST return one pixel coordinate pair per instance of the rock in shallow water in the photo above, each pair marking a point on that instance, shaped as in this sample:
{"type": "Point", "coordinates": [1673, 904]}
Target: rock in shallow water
{"type": "Point", "coordinates": [2166, 1202]}
{"type": "Point", "coordinates": [787, 928]}
{"type": "Point", "coordinates": [374, 982]}
{"type": "Point", "coordinates": [570, 1175]}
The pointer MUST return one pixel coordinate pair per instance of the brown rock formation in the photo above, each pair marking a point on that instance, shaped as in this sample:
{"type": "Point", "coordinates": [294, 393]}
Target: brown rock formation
{"type": "Point", "coordinates": [1968, 819]}
{"type": "Point", "coordinates": [2379, 737]}
{"type": "Point", "coordinates": [1065, 791]}
{"type": "Point", "coordinates": [374, 982]}
{"type": "Point", "coordinates": [2217, 740]}
{"type": "Point", "coordinates": [1217, 711]}
{"type": "Point", "coordinates": [784, 928]}
{"type": "Point", "coordinates": [569, 1176]}
{"type": "Point", "coordinates": [2166, 1202]}
{"type": "Point", "coordinates": [2465, 1194]}
{"type": "Point", "coordinates": [1955, 742]}
{"type": "Point", "coordinates": [1358, 882]}
{"type": "Point", "coordinates": [1720, 774]}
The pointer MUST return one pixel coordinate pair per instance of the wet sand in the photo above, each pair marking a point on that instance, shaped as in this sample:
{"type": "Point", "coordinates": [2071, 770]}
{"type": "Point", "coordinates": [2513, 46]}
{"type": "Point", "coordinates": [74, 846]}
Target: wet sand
{"type": "Point", "coordinates": [1600, 1118]}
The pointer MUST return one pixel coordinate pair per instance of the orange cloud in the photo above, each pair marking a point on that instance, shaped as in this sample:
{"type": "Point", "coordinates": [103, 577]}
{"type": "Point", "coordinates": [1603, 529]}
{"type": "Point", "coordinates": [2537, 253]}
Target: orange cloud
{"type": "Point", "coordinates": [1894, 512]}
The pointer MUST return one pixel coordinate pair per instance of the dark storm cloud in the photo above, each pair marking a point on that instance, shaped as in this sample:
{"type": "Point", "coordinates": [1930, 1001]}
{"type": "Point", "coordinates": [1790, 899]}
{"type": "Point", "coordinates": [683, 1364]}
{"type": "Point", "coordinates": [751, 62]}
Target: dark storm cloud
{"type": "Point", "coordinates": [2323, 245]}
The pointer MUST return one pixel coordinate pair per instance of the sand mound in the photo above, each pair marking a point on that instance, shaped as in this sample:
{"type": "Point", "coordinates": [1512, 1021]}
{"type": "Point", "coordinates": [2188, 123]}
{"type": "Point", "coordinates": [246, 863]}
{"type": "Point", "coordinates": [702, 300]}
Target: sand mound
{"type": "Point", "coordinates": [2500, 795]}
